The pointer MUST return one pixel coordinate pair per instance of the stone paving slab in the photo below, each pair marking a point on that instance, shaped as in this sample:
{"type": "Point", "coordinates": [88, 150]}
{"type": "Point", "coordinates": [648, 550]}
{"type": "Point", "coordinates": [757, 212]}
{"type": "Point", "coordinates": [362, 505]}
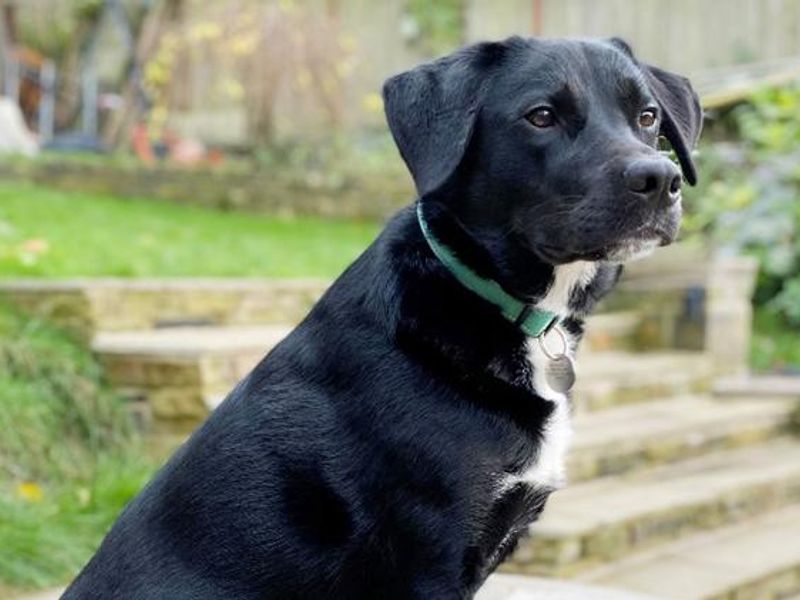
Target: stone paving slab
{"type": "Point", "coordinates": [626, 437]}
{"type": "Point", "coordinates": [498, 587]}
{"type": "Point", "coordinates": [756, 559]}
{"type": "Point", "coordinates": [190, 341]}
{"type": "Point", "coordinates": [89, 305]}
{"type": "Point", "coordinates": [667, 415]}
{"type": "Point", "coordinates": [611, 378]}
{"type": "Point", "coordinates": [608, 518]}
{"type": "Point", "coordinates": [619, 365]}
{"type": "Point", "coordinates": [625, 368]}
{"type": "Point", "coordinates": [54, 594]}
{"type": "Point", "coordinates": [515, 587]}
{"type": "Point", "coordinates": [203, 363]}
{"type": "Point", "coordinates": [759, 385]}
{"type": "Point", "coordinates": [114, 304]}
{"type": "Point", "coordinates": [596, 371]}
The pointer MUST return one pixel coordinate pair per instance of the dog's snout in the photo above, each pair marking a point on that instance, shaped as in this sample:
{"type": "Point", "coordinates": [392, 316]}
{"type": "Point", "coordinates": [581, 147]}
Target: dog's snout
{"type": "Point", "coordinates": [654, 179]}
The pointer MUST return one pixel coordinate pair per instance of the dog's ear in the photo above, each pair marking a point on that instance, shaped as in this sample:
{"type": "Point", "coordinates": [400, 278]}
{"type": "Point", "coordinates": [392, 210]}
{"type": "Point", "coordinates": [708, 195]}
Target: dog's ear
{"type": "Point", "coordinates": [432, 111]}
{"type": "Point", "coordinates": [682, 116]}
{"type": "Point", "coordinates": [623, 46]}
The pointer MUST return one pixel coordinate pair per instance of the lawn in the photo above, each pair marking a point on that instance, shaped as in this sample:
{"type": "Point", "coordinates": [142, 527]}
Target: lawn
{"type": "Point", "coordinates": [48, 233]}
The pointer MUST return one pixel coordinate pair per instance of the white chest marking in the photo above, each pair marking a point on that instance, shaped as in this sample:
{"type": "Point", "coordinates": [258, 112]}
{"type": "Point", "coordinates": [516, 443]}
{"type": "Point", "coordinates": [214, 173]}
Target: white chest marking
{"type": "Point", "coordinates": [567, 277]}
{"type": "Point", "coordinates": [548, 468]}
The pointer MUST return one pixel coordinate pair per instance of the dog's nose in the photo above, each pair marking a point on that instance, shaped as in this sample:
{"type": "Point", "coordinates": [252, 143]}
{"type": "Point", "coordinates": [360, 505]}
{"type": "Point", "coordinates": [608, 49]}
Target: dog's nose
{"type": "Point", "coordinates": [654, 178]}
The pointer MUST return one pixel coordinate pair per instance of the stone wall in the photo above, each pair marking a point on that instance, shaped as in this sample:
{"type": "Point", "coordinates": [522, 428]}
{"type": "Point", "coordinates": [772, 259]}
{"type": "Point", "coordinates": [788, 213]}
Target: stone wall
{"type": "Point", "coordinates": [373, 195]}
{"type": "Point", "coordinates": [86, 307]}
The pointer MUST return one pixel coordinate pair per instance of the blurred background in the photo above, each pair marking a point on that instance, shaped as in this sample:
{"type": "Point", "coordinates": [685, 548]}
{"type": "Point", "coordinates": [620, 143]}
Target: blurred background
{"type": "Point", "coordinates": [181, 179]}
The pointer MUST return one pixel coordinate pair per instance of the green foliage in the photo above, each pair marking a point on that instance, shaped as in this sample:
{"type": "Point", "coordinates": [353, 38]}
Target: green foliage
{"type": "Point", "coordinates": [774, 345]}
{"type": "Point", "coordinates": [47, 233]}
{"type": "Point", "coordinates": [769, 121]}
{"type": "Point", "coordinates": [88, 10]}
{"type": "Point", "coordinates": [794, 420]}
{"type": "Point", "coordinates": [50, 385]}
{"type": "Point", "coordinates": [70, 458]}
{"type": "Point", "coordinates": [52, 29]}
{"type": "Point", "coordinates": [749, 198]}
{"type": "Point", "coordinates": [439, 24]}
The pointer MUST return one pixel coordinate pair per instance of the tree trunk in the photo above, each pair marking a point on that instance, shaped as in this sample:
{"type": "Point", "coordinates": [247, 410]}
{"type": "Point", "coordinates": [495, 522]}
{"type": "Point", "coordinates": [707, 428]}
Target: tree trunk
{"type": "Point", "coordinates": [158, 17]}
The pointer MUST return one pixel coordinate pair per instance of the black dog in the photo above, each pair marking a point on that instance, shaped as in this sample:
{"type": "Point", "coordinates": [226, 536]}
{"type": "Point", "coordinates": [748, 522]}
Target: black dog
{"type": "Point", "coordinates": [398, 442]}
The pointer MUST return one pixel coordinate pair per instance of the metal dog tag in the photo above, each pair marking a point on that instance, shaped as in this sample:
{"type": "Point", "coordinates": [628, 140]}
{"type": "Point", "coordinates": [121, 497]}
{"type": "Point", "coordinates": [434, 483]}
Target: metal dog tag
{"type": "Point", "coordinates": [560, 374]}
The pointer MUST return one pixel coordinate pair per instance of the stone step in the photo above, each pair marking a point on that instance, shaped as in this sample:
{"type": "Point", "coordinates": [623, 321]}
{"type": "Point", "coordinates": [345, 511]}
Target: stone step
{"type": "Point", "coordinates": [634, 436]}
{"type": "Point", "coordinates": [606, 519]}
{"type": "Point", "coordinates": [613, 378]}
{"type": "Point", "coordinates": [180, 373]}
{"type": "Point", "coordinates": [759, 558]}
{"type": "Point", "coordinates": [501, 586]}
{"type": "Point", "coordinates": [765, 386]}
{"type": "Point", "coordinates": [87, 306]}
{"type": "Point", "coordinates": [610, 331]}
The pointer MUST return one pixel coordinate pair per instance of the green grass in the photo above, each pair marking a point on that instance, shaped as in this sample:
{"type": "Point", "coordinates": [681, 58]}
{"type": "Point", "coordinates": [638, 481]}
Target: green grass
{"type": "Point", "coordinates": [48, 233]}
{"type": "Point", "coordinates": [70, 457]}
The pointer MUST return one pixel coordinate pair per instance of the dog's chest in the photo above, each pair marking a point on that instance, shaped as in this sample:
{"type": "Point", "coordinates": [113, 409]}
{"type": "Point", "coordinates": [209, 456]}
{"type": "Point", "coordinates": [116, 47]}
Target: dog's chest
{"type": "Point", "coordinates": [546, 469]}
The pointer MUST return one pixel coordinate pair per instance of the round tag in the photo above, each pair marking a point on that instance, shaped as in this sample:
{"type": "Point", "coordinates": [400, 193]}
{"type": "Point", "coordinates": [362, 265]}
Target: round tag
{"type": "Point", "coordinates": [560, 373]}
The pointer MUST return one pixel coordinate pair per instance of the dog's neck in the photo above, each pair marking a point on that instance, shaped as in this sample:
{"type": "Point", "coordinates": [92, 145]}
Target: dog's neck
{"type": "Point", "coordinates": [491, 253]}
{"type": "Point", "coordinates": [426, 308]}
{"type": "Point", "coordinates": [502, 259]}
{"type": "Point", "coordinates": [532, 320]}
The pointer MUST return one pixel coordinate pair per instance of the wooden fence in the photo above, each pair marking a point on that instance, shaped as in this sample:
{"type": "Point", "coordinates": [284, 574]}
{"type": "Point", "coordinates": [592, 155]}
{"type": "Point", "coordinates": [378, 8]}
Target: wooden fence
{"type": "Point", "coordinates": [710, 40]}
{"type": "Point", "coordinates": [718, 43]}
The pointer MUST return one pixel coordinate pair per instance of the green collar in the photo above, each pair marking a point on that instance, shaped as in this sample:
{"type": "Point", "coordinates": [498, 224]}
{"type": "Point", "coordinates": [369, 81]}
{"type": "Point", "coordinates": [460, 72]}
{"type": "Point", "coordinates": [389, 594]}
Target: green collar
{"type": "Point", "coordinates": [532, 321]}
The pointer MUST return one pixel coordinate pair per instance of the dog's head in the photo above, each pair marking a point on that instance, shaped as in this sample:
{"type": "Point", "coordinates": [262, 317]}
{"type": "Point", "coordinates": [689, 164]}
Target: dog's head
{"type": "Point", "coordinates": [552, 142]}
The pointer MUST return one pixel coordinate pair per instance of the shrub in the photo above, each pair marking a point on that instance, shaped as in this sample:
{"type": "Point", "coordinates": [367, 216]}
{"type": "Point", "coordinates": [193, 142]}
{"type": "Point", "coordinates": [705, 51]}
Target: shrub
{"type": "Point", "coordinates": [748, 200]}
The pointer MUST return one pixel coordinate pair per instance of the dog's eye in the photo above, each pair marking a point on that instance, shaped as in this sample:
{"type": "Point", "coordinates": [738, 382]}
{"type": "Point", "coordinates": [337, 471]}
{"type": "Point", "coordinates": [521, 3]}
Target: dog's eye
{"type": "Point", "coordinates": [648, 117]}
{"type": "Point", "coordinates": [541, 117]}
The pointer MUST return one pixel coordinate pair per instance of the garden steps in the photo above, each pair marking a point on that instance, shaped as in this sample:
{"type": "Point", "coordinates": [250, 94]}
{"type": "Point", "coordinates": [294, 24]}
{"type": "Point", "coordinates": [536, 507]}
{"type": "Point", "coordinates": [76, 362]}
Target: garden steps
{"type": "Point", "coordinates": [755, 559]}
{"type": "Point", "coordinates": [606, 519]}
{"type": "Point", "coordinates": [629, 437]}
{"type": "Point", "coordinates": [656, 459]}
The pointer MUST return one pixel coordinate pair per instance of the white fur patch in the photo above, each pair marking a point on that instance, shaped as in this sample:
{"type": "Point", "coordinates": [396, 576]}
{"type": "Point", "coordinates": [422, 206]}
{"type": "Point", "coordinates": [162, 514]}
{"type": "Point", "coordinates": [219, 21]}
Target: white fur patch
{"type": "Point", "coordinates": [633, 250]}
{"type": "Point", "coordinates": [567, 278]}
{"type": "Point", "coordinates": [548, 470]}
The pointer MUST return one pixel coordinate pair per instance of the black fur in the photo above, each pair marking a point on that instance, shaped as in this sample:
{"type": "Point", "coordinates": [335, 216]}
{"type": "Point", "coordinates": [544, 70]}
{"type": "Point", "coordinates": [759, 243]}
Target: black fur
{"type": "Point", "coordinates": [362, 457]}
